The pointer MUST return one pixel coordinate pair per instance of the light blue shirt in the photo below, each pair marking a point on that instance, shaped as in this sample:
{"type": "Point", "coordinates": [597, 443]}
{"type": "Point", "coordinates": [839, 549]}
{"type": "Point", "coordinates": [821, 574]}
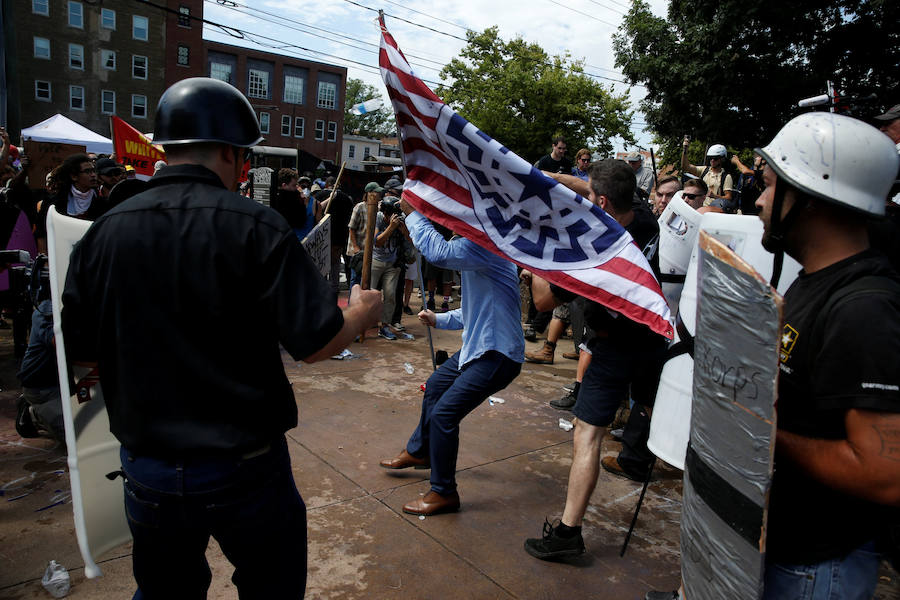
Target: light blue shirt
{"type": "Point", "coordinates": [490, 311]}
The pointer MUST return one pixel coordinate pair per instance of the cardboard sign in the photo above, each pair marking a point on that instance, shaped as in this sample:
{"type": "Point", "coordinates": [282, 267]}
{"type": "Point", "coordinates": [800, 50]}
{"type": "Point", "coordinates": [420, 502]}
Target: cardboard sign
{"type": "Point", "coordinates": [44, 157]}
{"type": "Point", "coordinates": [100, 521]}
{"type": "Point", "coordinates": [728, 467]}
{"type": "Point", "coordinates": [318, 245]}
{"type": "Point", "coordinates": [262, 182]}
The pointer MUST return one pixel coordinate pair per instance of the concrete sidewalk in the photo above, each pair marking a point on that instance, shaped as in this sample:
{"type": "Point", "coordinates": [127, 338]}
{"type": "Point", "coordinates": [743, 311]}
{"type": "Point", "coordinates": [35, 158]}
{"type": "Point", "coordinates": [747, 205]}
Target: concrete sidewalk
{"type": "Point", "coordinates": [513, 465]}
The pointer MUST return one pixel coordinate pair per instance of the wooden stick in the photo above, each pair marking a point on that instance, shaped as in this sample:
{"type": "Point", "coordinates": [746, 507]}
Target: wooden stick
{"type": "Point", "coordinates": [371, 212]}
{"type": "Point", "coordinates": [334, 188]}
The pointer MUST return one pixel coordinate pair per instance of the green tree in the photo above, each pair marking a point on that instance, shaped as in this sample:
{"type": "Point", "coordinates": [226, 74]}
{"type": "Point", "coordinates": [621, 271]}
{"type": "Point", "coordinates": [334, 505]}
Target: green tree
{"type": "Point", "coordinates": [732, 71]}
{"type": "Point", "coordinates": [375, 124]}
{"type": "Point", "coordinates": [520, 96]}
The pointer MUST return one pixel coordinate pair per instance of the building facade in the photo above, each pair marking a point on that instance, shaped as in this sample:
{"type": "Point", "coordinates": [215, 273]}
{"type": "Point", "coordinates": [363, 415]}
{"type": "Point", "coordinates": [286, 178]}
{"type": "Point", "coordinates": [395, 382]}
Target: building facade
{"type": "Point", "coordinates": [89, 61]}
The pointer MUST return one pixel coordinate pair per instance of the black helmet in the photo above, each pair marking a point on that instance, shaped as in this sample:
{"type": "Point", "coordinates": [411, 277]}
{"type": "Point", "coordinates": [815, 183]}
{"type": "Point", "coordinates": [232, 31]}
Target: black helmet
{"type": "Point", "coordinates": [201, 109]}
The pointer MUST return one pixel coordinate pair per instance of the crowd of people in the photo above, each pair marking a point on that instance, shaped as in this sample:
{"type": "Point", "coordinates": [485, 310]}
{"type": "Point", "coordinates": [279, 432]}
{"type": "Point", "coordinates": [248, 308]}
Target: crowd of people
{"type": "Point", "coordinates": [167, 367]}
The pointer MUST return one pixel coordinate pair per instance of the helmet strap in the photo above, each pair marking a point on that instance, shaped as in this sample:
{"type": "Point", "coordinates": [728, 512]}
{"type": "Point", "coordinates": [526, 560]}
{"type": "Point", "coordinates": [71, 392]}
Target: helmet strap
{"type": "Point", "coordinates": [778, 229]}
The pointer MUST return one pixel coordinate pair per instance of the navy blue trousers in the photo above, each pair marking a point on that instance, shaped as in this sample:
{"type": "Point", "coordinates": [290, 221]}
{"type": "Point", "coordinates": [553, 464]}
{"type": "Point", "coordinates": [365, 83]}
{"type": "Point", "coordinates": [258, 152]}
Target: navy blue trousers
{"type": "Point", "coordinates": [451, 394]}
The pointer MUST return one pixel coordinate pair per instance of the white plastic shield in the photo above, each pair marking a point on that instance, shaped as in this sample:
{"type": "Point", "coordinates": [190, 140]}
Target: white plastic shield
{"type": "Point", "coordinates": [100, 522]}
{"type": "Point", "coordinates": [670, 426]}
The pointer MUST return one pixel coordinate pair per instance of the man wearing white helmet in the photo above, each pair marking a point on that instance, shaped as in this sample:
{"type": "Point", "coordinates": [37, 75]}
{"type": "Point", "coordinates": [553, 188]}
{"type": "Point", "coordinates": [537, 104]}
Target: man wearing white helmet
{"type": "Point", "coordinates": [836, 486]}
{"type": "Point", "coordinates": [717, 179]}
{"type": "Point", "coordinates": [837, 462]}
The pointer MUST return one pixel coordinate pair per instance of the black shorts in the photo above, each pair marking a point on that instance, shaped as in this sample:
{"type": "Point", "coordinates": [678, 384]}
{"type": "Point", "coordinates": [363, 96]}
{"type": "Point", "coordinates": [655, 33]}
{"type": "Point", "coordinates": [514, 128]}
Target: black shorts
{"type": "Point", "coordinates": [617, 371]}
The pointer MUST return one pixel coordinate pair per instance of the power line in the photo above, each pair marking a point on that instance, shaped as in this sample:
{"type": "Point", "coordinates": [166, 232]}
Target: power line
{"type": "Point", "coordinates": [582, 13]}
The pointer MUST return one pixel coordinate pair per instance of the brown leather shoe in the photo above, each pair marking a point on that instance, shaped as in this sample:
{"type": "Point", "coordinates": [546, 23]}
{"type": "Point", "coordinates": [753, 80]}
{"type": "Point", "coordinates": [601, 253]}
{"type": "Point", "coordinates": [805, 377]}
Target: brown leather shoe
{"type": "Point", "coordinates": [544, 356]}
{"type": "Point", "coordinates": [611, 465]}
{"type": "Point", "coordinates": [571, 355]}
{"type": "Point", "coordinates": [405, 460]}
{"type": "Point", "coordinates": [432, 503]}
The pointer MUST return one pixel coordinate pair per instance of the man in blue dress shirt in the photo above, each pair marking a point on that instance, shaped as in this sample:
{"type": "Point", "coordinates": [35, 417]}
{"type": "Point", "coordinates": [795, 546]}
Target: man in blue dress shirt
{"type": "Point", "coordinates": [493, 349]}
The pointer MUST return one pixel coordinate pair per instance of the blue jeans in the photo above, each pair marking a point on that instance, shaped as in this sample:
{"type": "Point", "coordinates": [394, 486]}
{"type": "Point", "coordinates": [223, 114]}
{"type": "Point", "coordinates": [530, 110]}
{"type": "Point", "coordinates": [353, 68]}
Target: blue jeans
{"type": "Point", "coordinates": [852, 577]}
{"type": "Point", "coordinates": [250, 505]}
{"type": "Point", "coordinates": [451, 394]}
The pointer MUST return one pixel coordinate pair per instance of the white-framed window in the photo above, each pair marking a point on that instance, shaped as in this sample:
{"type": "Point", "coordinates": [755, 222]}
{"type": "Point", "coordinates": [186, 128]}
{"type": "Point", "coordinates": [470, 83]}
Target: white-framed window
{"type": "Point", "coordinates": [258, 84]}
{"type": "Point", "coordinates": [76, 57]}
{"type": "Point", "coordinates": [76, 97]}
{"type": "Point", "coordinates": [320, 129]}
{"type": "Point", "coordinates": [76, 15]}
{"type": "Point", "coordinates": [286, 125]}
{"type": "Point", "coordinates": [40, 7]}
{"type": "Point", "coordinates": [293, 89]}
{"type": "Point", "coordinates": [220, 71]}
{"type": "Point", "coordinates": [366, 153]}
{"type": "Point", "coordinates": [299, 127]}
{"type": "Point", "coordinates": [351, 151]}
{"type": "Point", "coordinates": [140, 28]}
{"type": "Point", "coordinates": [108, 60]}
{"type": "Point", "coordinates": [327, 95]}
{"type": "Point", "coordinates": [184, 55]}
{"type": "Point", "coordinates": [139, 106]}
{"type": "Point", "coordinates": [184, 16]}
{"type": "Point", "coordinates": [41, 48]}
{"type": "Point", "coordinates": [138, 66]}
{"type": "Point", "coordinates": [42, 90]}
{"type": "Point", "coordinates": [107, 18]}
{"type": "Point", "coordinates": [264, 122]}
{"type": "Point", "coordinates": [332, 131]}
{"type": "Point", "coordinates": [107, 102]}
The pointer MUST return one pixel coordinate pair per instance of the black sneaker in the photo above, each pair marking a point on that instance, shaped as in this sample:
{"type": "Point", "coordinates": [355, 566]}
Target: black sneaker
{"type": "Point", "coordinates": [567, 402]}
{"type": "Point", "coordinates": [553, 547]}
{"type": "Point", "coordinates": [445, 307]}
{"type": "Point", "coordinates": [530, 333]}
{"type": "Point", "coordinates": [407, 310]}
{"type": "Point", "coordinates": [430, 305]}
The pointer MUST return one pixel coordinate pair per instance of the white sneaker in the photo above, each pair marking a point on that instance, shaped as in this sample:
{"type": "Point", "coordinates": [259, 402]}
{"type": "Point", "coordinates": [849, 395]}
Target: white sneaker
{"type": "Point", "coordinates": [398, 327]}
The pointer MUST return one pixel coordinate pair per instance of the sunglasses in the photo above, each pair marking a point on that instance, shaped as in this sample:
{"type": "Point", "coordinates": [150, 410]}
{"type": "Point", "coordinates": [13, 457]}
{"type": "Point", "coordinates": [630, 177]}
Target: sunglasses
{"type": "Point", "coordinates": [692, 196]}
{"type": "Point", "coordinates": [584, 159]}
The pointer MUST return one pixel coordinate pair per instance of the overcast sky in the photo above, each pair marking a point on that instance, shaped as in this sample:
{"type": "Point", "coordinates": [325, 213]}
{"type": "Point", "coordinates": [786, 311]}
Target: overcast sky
{"type": "Point", "coordinates": [344, 32]}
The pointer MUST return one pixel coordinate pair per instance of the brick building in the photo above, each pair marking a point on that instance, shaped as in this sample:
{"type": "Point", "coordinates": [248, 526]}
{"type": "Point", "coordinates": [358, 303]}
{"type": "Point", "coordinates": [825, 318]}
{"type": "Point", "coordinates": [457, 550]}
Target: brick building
{"type": "Point", "coordinates": [88, 61]}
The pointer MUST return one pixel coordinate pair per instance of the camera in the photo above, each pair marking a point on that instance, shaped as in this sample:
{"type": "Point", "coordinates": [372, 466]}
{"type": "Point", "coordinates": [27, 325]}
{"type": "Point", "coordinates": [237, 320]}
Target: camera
{"type": "Point", "coordinates": [390, 207]}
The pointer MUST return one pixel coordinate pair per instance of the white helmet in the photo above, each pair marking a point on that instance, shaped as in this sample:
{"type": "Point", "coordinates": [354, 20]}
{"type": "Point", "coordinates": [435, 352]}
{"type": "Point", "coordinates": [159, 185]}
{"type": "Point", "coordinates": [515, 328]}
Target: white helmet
{"type": "Point", "coordinates": [836, 158]}
{"type": "Point", "coordinates": [717, 151]}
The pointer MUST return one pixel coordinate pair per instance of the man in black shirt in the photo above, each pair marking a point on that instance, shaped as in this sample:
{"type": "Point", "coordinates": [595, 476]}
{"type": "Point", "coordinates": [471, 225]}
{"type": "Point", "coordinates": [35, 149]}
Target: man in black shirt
{"type": "Point", "coordinates": [199, 403]}
{"type": "Point", "coordinates": [836, 486]}
{"type": "Point", "coordinates": [556, 161]}
{"type": "Point", "coordinates": [627, 357]}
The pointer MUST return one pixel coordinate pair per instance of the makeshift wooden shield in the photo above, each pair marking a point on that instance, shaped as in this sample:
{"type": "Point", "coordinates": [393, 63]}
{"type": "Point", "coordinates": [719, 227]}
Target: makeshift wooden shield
{"type": "Point", "coordinates": [97, 501]}
{"type": "Point", "coordinates": [728, 468]}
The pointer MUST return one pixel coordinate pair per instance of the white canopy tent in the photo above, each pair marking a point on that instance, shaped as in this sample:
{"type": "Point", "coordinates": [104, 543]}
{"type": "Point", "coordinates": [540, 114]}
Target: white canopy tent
{"type": "Point", "coordinates": [65, 131]}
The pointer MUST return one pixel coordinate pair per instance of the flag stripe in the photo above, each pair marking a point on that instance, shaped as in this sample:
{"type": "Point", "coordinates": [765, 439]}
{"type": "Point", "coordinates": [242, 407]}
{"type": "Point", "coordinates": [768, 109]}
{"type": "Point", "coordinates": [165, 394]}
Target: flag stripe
{"type": "Point", "coordinates": [441, 184]}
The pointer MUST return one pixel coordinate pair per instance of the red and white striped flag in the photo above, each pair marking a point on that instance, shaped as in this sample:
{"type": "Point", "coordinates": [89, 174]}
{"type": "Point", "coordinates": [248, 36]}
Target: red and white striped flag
{"type": "Point", "coordinates": [462, 178]}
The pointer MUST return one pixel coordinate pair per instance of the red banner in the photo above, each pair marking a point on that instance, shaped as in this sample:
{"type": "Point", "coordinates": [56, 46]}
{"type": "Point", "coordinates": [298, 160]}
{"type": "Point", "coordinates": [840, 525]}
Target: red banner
{"type": "Point", "coordinates": [133, 148]}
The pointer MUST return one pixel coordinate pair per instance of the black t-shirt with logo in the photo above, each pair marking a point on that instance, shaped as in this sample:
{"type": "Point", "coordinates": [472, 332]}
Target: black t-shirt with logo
{"type": "Point", "coordinates": [852, 361]}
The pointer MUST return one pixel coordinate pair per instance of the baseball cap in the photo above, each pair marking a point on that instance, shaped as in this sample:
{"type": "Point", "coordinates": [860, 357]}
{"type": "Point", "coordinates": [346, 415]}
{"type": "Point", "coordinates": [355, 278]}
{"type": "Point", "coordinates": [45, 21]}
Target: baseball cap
{"type": "Point", "coordinates": [891, 114]}
{"type": "Point", "coordinates": [393, 184]}
{"type": "Point", "coordinates": [634, 157]}
{"type": "Point", "coordinates": [373, 186]}
{"type": "Point", "coordinates": [107, 165]}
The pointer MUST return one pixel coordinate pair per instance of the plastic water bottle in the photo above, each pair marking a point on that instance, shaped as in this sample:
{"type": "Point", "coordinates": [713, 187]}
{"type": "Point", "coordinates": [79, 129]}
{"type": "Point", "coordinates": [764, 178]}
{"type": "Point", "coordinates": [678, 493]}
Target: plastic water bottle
{"type": "Point", "coordinates": [409, 368]}
{"type": "Point", "coordinates": [56, 580]}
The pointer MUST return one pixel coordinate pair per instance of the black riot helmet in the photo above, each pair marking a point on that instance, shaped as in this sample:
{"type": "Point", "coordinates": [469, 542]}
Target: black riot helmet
{"type": "Point", "coordinates": [201, 109]}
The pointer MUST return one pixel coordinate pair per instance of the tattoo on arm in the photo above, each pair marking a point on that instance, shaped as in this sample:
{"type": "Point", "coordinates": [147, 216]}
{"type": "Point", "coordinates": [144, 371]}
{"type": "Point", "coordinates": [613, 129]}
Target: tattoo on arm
{"type": "Point", "coordinates": [889, 434]}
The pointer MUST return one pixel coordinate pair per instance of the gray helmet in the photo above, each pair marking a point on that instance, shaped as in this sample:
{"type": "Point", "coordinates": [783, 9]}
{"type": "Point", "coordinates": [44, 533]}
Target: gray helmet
{"type": "Point", "coordinates": [201, 109]}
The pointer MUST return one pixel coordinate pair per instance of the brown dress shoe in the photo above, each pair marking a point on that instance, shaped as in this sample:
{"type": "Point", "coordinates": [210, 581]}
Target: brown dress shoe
{"type": "Point", "coordinates": [544, 356]}
{"type": "Point", "coordinates": [611, 465]}
{"type": "Point", "coordinates": [571, 355]}
{"type": "Point", "coordinates": [432, 503]}
{"type": "Point", "coordinates": [405, 460]}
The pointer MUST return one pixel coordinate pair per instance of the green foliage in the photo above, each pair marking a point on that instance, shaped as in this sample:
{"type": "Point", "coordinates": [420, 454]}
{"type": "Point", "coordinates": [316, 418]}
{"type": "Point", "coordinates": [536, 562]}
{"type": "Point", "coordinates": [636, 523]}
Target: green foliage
{"type": "Point", "coordinates": [376, 124]}
{"type": "Point", "coordinates": [520, 96]}
{"type": "Point", "coordinates": [731, 72]}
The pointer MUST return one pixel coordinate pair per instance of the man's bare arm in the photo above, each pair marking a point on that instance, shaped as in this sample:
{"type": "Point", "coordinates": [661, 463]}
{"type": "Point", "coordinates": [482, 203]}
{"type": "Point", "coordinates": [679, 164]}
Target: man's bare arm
{"type": "Point", "coordinates": [866, 464]}
{"type": "Point", "coordinates": [576, 184]}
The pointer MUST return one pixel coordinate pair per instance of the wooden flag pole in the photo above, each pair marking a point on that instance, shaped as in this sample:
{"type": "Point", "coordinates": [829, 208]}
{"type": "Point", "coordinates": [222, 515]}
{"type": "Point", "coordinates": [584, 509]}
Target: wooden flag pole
{"type": "Point", "coordinates": [371, 212]}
